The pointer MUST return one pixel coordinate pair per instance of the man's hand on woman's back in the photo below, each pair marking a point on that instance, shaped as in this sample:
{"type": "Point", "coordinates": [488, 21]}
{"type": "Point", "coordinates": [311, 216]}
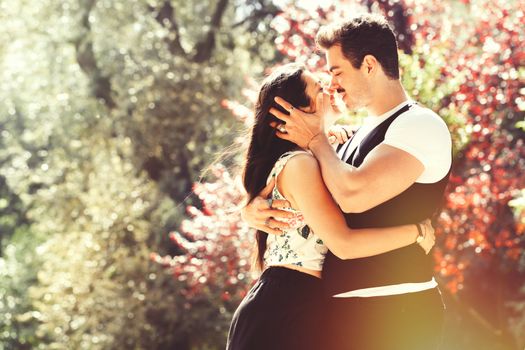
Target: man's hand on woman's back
{"type": "Point", "coordinates": [264, 214]}
{"type": "Point", "coordinates": [429, 234]}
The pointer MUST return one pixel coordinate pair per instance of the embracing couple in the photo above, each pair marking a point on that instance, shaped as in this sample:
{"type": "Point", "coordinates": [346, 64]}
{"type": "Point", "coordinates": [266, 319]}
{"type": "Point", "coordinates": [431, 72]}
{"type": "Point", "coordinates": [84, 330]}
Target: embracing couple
{"type": "Point", "coordinates": [343, 232]}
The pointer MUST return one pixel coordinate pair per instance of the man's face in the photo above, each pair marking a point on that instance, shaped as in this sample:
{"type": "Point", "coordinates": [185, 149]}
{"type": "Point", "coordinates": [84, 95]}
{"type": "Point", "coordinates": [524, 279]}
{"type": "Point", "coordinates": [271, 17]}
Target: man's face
{"type": "Point", "coordinates": [351, 83]}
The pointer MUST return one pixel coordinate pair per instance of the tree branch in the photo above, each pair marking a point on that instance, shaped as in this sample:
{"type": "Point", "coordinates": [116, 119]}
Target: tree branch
{"type": "Point", "coordinates": [100, 84]}
{"type": "Point", "coordinates": [206, 46]}
{"type": "Point", "coordinates": [166, 17]}
{"type": "Point", "coordinates": [258, 15]}
{"type": "Point", "coordinates": [262, 9]}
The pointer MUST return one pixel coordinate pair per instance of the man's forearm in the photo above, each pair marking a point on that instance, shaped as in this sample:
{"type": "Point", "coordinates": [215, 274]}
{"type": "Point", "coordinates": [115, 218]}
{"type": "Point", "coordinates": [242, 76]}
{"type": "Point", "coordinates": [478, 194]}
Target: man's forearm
{"type": "Point", "coordinates": [340, 178]}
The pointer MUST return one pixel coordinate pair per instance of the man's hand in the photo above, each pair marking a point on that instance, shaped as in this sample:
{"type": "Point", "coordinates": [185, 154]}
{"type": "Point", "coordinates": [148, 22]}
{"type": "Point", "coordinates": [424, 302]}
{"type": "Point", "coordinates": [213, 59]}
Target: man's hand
{"type": "Point", "coordinates": [265, 216]}
{"type": "Point", "coordinates": [300, 127]}
{"type": "Point", "coordinates": [429, 234]}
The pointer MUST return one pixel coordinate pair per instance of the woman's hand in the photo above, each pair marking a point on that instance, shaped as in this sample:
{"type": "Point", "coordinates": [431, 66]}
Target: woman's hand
{"type": "Point", "coordinates": [264, 214]}
{"type": "Point", "coordinates": [300, 127]}
{"type": "Point", "coordinates": [339, 134]}
{"type": "Point", "coordinates": [429, 236]}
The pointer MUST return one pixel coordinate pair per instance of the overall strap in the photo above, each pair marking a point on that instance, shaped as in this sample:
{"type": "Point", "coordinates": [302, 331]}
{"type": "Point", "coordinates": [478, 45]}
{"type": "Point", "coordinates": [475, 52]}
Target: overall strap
{"type": "Point", "coordinates": [382, 127]}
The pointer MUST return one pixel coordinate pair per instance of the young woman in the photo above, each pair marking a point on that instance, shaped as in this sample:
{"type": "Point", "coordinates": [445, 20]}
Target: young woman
{"type": "Point", "coordinates": [282, 310]}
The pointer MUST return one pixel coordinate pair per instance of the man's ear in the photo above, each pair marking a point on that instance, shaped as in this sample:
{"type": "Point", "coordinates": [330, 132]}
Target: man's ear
{"type": "Point", "coordinates": [370, 64]}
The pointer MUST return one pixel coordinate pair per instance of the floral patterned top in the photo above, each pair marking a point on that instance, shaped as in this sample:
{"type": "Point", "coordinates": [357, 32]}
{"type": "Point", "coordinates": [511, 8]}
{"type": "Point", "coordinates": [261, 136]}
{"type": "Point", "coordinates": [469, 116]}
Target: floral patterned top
{"type": "Point", "coordinates": [296, 246]}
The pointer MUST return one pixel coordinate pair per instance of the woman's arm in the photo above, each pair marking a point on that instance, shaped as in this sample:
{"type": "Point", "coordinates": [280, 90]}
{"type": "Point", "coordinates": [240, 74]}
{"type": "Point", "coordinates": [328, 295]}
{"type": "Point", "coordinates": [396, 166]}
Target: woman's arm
{"type": "Point", "coordinates": [302, 184]}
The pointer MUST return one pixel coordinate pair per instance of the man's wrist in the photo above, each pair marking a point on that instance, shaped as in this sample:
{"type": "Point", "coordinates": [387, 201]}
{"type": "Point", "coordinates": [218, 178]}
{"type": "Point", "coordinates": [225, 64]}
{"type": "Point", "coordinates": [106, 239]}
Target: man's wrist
{"type": "Point", "coordinates": [316, 141]}
{"type": "Point", "coordinates": [420, 234]}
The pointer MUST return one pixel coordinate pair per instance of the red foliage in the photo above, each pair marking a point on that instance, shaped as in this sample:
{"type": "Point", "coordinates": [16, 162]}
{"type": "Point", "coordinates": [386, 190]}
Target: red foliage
{"type": "Point", "coordinates": [477, 227]}
{"type": "Point", "coordinates": [216, 244]}
{"type": "Point", "coordinates": [477, 221]}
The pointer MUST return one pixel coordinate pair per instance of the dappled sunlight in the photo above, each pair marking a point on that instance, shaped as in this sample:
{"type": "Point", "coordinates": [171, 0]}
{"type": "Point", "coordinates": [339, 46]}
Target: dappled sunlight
{"type": "Point", "coordinates": [112, 233]}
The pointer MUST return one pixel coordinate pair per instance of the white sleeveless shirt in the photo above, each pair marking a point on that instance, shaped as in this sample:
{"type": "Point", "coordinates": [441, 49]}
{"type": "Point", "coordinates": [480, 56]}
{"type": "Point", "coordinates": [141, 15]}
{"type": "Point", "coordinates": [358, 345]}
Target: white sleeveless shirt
{"type": "Point", "coordinates": [298, 245]}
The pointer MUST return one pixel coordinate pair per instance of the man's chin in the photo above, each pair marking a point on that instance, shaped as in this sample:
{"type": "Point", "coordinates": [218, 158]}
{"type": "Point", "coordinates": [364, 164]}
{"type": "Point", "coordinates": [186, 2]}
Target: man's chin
{"type": "Point", "coordinates": [352, 105]}
{"type": "Point", "coordinates": [349, 105]}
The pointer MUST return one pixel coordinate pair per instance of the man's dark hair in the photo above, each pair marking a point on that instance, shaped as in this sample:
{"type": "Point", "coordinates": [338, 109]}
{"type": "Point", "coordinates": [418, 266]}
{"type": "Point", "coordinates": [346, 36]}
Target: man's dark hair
{"type": "Point", "coordinates": [366, 34]}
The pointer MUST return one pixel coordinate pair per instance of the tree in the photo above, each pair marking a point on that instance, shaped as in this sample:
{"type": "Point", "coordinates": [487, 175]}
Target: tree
{"type": "Point", "coordinates": [215, 270]}
{"type": "Point", "coordinates": [104, 105]}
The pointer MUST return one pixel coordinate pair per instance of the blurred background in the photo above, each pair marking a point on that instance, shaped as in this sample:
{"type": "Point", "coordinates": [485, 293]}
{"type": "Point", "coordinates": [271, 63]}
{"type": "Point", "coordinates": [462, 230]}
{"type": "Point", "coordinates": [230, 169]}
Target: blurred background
{"type": "Point", "coordinates": [111, 109]}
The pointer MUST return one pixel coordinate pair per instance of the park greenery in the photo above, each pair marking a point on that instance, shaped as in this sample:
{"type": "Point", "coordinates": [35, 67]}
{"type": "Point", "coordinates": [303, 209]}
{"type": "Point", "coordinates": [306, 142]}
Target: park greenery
{"type": "Point", "coordinates": [111, 235]}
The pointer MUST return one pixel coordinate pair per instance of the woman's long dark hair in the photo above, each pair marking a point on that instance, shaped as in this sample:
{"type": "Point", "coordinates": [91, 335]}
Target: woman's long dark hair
{"type": "Point", "coordinates": [265, 147]}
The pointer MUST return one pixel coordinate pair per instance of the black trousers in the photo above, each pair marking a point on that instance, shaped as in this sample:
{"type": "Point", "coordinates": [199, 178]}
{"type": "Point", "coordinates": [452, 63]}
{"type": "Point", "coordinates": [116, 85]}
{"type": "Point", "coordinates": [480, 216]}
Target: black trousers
{"type": "Point", "coordinates": [411, 321]}
{"type": "Point", "coordinates": [281, 311]}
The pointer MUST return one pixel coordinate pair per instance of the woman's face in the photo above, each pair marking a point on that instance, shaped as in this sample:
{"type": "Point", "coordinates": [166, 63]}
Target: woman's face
{"type": "Point", "coordinates": [314, 86]}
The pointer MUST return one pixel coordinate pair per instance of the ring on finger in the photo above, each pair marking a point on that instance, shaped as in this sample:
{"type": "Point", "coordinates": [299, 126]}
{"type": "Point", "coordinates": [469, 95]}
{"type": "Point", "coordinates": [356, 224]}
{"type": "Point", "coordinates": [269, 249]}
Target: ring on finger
{"type": "Point", "coordinates": [281, 128]}
{"type": "Point", "coordinates": [267, 222]}
{"type": "Point", "coordinates": [270, 202]}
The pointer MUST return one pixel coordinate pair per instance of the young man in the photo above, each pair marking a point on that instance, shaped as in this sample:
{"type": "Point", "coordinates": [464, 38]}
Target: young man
{"type": "Point", "coordinates": [392, 171]}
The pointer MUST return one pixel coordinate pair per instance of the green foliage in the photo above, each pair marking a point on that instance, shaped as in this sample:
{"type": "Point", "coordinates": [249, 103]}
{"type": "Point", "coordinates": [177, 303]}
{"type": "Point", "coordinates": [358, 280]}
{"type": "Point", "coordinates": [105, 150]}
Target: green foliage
{"type": "Point", "coordinates": [18, 268]}
{"type": "Point", "coordinates": [518, 204]}
{"type": "Point", "coordinates": [167, 96]}
{"type": "Point", "coordinates": [12, 214]}
{"type": "Point", "coordinates": [98, 298]}
{"type": "Point", "coordinates": [110, 110]}
{"type": "Point", "coordinates": [423, 79]}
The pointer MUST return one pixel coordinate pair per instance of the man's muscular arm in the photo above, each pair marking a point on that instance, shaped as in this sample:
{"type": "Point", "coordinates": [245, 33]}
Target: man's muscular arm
{"type": "Point", "coordinates": [386, 171]}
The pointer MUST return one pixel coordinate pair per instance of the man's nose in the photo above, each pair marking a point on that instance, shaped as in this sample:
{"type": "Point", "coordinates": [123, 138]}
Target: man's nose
{"type": "Point", "coordinates": [333, 84]}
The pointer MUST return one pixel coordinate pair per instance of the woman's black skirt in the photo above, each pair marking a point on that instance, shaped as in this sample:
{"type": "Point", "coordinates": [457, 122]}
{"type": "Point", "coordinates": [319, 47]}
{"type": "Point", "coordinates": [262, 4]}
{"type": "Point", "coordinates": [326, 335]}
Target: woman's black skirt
{"type": "Point", "coordinates": [281, 311]}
